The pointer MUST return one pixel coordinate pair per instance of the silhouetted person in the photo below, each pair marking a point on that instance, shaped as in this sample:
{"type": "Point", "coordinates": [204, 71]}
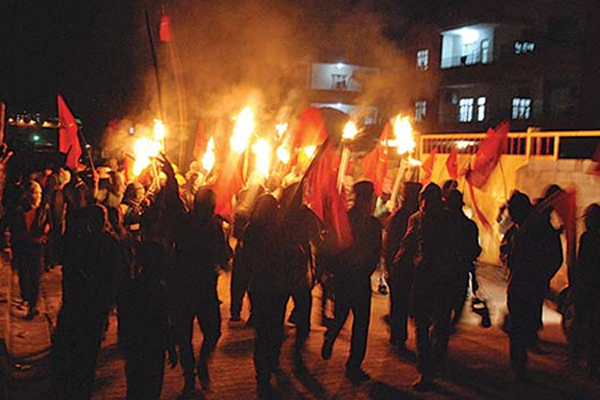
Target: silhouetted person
{"type": "Point", "coordinates": [55, 198]}
{"type": "Point", "coordinates": [145, 333]}
{"type": "Point", "coordinates": [587, 289]}
{"type": "Point", "coordinates": [466, 252]}
{"type": "Point", "coordinates": [353, 270]}
{"type": "Point", "coordinates": [400, 276]}
{"type": "Point", "coordinates": [269, 288]}
{"type": "Point", "coordinates": [29, 225]}
{"type": "Point", "coordinates": [92, 259]}
{"type": "Point", "coordinates": [428, 246]}
{"type": "Point", "coordinates": [200, 251]}
{"type": "Point", "coordinates": [298, 227]}
{"type": "Point", "coordinates": [527, 283]}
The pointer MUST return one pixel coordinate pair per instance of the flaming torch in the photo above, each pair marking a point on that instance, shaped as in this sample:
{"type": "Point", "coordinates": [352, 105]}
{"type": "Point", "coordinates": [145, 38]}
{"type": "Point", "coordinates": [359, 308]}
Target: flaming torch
{"type": "Point", "coordinates": [406, 144]}
{"type": "Point", "coordinates": [262, 150]}
{"type": "Point", "coordinates": [349, 133]}
{"type": "Point", "coordinates": [244, 126]}
{"type": "Point", "coordinates": [208, 160]}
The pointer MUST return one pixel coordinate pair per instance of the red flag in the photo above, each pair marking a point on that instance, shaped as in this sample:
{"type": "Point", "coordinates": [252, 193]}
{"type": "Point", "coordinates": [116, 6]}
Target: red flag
{"type": "Point", "coordinates": [321, 194]}
{"type": "Point", "coordinates": [452, 164]}
{"type": "Point", "coordinates": [68, 140]}
{"type": "Point", "coordinates": [488, 155]}
{"type": "Point", "coordinates": [226, 186]}
{"type": "Point", "coordinates": [428, 167]}
{"type": "Point", "coordinates": [374, 164]}
{"type": "Point", "coordinates": [200, 140]}
{"type": "Point", "coordinates": [165, 33]}
{"type": "Point", "coordinates": [564, 203]}
{"type": "Point", "coordinates": [310, 129]}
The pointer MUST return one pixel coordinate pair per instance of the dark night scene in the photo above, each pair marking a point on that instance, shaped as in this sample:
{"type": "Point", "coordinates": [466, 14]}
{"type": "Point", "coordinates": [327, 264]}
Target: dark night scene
{"type": "Point", "coordinates": [299, 199]}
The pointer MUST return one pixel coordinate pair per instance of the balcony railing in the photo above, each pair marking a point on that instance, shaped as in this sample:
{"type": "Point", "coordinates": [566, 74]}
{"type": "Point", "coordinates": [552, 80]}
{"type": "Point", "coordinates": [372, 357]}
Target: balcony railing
{"type": "Point", "coordinates": [465, 60]}
{"type": "Point", "coordinates": [527, 144]}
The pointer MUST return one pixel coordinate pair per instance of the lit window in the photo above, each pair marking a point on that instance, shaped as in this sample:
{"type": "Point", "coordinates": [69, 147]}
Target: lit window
{"type": "Point", "coordinates": [524, 47]}
{"type": "Point", "coordinates": [423, 60]}
{"type": "Point", "coordinates": [420, 110]}
{"type": "Point", "coordinates": [521, 108]}
{"type": "Point", "coordinates": [465, 109]}
{"type": "Point", "coordinates": [481, 108]}
{"type": "Point", "coordinates": [485, 51]}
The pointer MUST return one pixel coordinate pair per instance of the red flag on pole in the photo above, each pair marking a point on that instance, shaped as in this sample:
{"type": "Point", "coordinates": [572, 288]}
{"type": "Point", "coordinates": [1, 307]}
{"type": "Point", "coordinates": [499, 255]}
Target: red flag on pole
{"type": "Point", "coordinates": [68, 139]}
{"type": "Point", "coordinates": [428, 167]}
{"type": "Point", "coordinates": [310, 130]}
{"type": "Point", "coordinates": [452, 164]}
{"type": "Point", "coordinates": [165, 33]}
{"type": "Point", "coordinates": [488, 155]}
{"type": "Point", "coordinates": [226, 186]}
{"type": "Point", "coordinates": [374, 164]}
{"type": "Point", "coordinates": [321, 194]}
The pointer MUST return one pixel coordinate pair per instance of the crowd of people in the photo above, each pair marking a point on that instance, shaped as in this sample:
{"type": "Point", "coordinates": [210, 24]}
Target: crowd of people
{"type": "Point", "coordinates": [153, 250]}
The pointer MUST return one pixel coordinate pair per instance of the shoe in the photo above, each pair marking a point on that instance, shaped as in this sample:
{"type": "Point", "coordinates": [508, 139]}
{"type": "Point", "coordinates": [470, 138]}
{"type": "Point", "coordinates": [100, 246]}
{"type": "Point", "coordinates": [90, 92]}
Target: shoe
{"type": "Point", "coordinates": [423, 384]}
{"type": "Point", "coordinates": [327, 349]}
{"type": "Point", "coordinates": [357, 375]}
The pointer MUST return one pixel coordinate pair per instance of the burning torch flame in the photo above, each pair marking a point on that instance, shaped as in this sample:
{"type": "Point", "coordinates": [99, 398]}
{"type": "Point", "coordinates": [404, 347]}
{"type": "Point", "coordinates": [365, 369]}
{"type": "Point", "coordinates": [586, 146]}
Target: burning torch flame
{"type": "Point", "coordinates": [242, 131]}
{"type": "Point", "coordinates": [283, 154]}
{"type": "Point", "coordinates": [404, 135]}
{"type": "Point", "coordinates": [159, 130]}
{"type": "Point", "coordinates": [144, 149]}
{"type": "Point", "coordinates": [350, 131]}
{"type": "Point", "coordinates": [208, 160]}
{"type": "Point", "coordinates": [310, 151]}
{"type": "Point", "coordinates": [263, 156]}
{"type": "Point", "coordinates": [281, 129]}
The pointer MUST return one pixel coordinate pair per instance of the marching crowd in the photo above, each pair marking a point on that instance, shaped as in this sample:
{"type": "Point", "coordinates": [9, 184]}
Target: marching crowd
{"type": "Point", "coordinates": [154, 252]}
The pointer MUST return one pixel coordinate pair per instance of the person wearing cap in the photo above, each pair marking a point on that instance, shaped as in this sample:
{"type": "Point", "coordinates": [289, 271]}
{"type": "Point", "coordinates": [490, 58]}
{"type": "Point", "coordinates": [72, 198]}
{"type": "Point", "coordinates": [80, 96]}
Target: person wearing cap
{"type": "Point", "coordinates": [353, 281]}
{"type": "Point", "coordinates": [429, 247]}
{"type": "Point", "coordinates": [401, 275]}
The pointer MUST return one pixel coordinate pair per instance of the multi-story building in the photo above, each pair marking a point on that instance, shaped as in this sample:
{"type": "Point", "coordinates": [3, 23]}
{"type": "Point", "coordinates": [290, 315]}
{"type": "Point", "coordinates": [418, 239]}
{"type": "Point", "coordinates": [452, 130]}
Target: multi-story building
{"type": "Point", "coordinates": [535, 63]}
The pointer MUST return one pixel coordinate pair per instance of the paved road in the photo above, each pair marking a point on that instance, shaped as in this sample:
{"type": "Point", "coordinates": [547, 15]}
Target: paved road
{"type": "Point", "coordinates": [478, 359]}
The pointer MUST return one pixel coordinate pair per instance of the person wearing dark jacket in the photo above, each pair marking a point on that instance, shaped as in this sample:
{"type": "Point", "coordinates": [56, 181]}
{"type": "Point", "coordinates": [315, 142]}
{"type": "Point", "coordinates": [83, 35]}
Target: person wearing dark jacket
{"type": "Point", "coordinates": [199, 252]}
{"type": "Point", "coordinates": [352, 276]}
{"type": "Point", "coordinates": [400, 275]}
{"type": "Point", "coordinates": [428, 247]}
{"type": "Point", "coordinates": [145, 333]}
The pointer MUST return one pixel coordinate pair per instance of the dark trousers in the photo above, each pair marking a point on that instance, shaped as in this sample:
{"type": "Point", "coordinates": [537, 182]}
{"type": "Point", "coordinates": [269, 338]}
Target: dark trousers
{"type": "Point", "coordinates": [301, 315]}
{"type": "Point", "coordinates": [144, 371]}
{"type": "Point", "coordinates": [523, 308]}
{"type": "Point", "coordinates": [206, 312]}
{"type": "Point", "coordinates": [355, 298]}
{"type": "Point", "coordinates": [268, 313]}
{"type": "Point", "coordinates": [432, 318]}
{"type": "Point", "coordinates": [240, 281]}
{"type": "Point", "coordinates": [28, 263]}
{"type": "Point", "coordinates": [400, 290]}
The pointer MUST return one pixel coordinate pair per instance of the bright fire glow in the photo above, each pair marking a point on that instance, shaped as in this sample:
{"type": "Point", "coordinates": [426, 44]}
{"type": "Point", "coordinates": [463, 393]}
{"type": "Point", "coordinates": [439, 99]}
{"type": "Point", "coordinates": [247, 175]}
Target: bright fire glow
{"type": "Point", "coordinates": [281, 129]}
{"type": "Point", "coordinates": [414, 162]}
{"type": "Point", "coordinates": [208, 160]}
{"type": "Point", "coordinates": [159, 130]}
{"type": "Point", "coordinates": [350, 131]}
{"type": "Point", "coordinates": [262, 150]}
{"type": "Point", "coordinates": [404, 135]}
{"type": "Point", "coordinates": [244, 126]}
{"type": "Point", "coordinates": [310, 151]}
{"type": "Point", "coordinates": [144, 149]}
{"type": "Point", "coordinates": [283, 154]}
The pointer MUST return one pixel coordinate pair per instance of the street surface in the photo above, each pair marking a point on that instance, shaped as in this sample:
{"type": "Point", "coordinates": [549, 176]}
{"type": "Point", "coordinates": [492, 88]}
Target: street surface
{"type": "Point", "coordinates": [478, 366]}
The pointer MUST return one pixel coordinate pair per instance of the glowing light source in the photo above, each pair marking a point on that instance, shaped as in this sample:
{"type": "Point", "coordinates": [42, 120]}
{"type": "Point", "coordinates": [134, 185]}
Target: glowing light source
{"type": "Point", "coordinates": [144, 150]}
{"type": "Point", "coordinates": [262, 150]}
{"type": "Point", "coordinates": [309, 151]}
{"type": "Point", "coordinates": [469, 35]}
{"type": "Point", "coordinates": [339, 65]}
{"type": "Point", "coordinates": [463, 144]}
{"type": "Point", "coordinates": [414, 162]}
{"type": "Point", "coordinates": [283, 154]}
{"type": "Point", "coordinates": [404, 135]}
{"type": "Point", "coordinates": [244, 126]}
{"type": "Point", "coordinates": [281, 129]}
{"type": "Point", "coordinates": [159, 130]}
{"type": "Point", "coordinates": [350, 131]}
{"type": "Point", "coordinates": [208, 160]}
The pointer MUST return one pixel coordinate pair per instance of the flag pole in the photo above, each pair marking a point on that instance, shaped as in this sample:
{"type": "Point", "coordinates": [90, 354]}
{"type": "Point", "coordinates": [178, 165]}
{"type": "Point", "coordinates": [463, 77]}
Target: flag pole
{"type": "Point", "coordinates": [155, 65]}
{"type": "Point", "coordinates": [87, 148]}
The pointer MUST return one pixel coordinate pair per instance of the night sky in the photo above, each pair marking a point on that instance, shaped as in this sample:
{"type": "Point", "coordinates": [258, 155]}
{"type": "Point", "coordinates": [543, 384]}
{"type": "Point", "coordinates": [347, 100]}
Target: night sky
{"type": "Point", "coordinates": [95, 52]}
